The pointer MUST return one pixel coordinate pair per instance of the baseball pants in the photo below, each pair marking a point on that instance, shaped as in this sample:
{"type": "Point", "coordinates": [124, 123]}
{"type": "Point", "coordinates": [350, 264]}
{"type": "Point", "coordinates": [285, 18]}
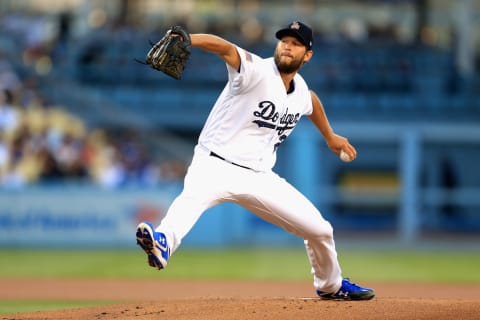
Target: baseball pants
{"type": "Point", "coordinates": [210, 181]}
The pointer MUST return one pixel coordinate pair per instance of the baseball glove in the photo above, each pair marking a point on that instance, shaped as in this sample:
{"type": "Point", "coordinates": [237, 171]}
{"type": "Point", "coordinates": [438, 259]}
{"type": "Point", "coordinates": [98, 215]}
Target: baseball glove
{"type": "Point", "coordinates": [170, 53]}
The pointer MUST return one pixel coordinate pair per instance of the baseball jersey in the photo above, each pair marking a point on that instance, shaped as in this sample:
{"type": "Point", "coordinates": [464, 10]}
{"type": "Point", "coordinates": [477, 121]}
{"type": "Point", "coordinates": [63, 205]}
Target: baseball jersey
{"type": "Point", "coordinates": [254, 114]}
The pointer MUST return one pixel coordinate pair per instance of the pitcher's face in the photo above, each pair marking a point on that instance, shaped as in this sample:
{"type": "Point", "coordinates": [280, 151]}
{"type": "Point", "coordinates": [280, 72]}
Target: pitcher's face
{"type": "Point", "coordinates": [290, 54]}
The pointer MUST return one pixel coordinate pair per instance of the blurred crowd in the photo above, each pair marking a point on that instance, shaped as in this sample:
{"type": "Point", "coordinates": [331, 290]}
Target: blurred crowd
{"type": "Point", "coordinates": [40, 143]}
{"type": "Point", "coordinates": [44, 143]}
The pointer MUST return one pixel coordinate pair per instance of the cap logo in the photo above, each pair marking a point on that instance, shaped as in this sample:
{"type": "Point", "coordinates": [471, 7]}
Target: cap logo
{"type": "Point", "coordinates": [295, 26]}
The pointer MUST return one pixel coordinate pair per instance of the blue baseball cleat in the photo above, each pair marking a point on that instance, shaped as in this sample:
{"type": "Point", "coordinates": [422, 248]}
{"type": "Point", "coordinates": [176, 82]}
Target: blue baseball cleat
{"type": "Point", "coordinates": [154, 244]}
{"type": "Point", "coordinates": [348, 291]}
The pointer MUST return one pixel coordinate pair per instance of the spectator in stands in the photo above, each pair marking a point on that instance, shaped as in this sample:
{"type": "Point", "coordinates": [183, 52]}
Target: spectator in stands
{"type": "Point", "coordinates": [9, 117]}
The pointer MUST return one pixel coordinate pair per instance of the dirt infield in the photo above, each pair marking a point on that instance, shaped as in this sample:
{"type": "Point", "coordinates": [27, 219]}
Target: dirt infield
{"type": "Point", "coordinates": [146, 299]}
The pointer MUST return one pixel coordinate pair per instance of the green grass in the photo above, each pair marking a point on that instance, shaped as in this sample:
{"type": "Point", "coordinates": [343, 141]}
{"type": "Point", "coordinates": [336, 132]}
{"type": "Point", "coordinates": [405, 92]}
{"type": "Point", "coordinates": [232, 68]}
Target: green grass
{"type": "Point", "coordinates": [412, 266]}
{"type": "Point", "coordinates": [236, 264]}
{"type": "Point", "coordinates": [257, 264]}
{"type": "Point", "coordinates": [20, 306]}
{"type": "Point", "coordinates": [211, 264]}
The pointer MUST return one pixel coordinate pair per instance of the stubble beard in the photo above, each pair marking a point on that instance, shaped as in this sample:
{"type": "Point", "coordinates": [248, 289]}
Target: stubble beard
{"type": "Point", "coordinates": [287, 68]}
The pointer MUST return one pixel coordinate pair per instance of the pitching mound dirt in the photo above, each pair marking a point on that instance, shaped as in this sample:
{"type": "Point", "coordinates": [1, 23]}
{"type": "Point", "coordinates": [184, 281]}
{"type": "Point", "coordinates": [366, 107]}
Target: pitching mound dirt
{"type": "Point", "coordinates": [202, 300]}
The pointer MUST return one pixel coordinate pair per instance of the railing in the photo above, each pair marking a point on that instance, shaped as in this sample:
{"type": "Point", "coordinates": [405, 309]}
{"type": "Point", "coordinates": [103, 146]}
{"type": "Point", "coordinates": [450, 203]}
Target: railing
{"type": "Point", "coordinates": [416, 146]}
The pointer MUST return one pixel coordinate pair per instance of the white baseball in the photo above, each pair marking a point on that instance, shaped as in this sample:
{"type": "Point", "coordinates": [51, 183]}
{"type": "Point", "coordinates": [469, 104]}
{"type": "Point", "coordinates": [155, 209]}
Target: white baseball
{"type": "Point", "coordinates": [344, 156]}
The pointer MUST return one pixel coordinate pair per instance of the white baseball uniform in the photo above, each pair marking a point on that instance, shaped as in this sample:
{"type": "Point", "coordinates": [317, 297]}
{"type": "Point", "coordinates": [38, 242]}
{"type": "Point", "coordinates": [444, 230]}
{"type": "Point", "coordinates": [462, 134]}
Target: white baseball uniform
{"type": "Point", "coordinates": [233, 162]}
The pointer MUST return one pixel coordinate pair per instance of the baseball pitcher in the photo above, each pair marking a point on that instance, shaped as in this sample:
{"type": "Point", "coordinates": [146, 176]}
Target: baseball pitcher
{"type": "Point", "coordinates": [257, 110]}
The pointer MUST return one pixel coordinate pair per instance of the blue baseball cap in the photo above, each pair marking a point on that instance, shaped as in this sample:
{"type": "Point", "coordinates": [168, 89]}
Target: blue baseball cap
{"type": "Point", "coordinates": [298, 30]}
